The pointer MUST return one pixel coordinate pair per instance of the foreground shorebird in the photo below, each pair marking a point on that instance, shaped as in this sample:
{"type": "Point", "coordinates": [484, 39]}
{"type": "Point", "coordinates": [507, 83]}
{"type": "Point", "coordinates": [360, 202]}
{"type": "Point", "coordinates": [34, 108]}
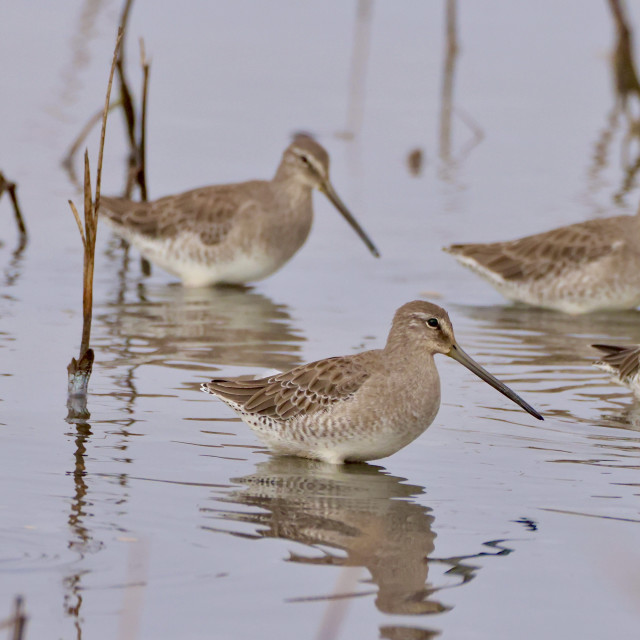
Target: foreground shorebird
{"type": "Point", "coordinates": [622, 364]}
{"type": "Point", "coordinates": [232, 233]}
{"type": "Point", "coordinates": [580, 268]}
{"type": "Point", "coordinates": [358, 407]}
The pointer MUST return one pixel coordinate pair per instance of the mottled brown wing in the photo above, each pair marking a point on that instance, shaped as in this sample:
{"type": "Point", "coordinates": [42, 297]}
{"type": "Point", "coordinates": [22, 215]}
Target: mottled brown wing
{"type": "Point", "coordinates": [209, 212]}
{"type": "Point", "coordinates": [545, 254]}
{"type": "Point", "coordinates": [306, 389]}
{"type": "Point", "coordinates": [625, 360]}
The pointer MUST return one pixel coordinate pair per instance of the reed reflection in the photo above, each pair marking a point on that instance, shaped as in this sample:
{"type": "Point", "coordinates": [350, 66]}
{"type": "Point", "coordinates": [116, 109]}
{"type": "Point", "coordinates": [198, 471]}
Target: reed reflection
{"type": "Point", "coordinates": [354, 515]}
{"type": "Point", "coordinates": [357, 76]}
{"type": "Point", "coordinates": [80, 52]}
{"type": "Point", "coordinates": [619, 414]}
{"type": "Point", "coordinates": [450, 161]}
{"type": "Point", "coordinates": [197, 328]}
{"type": "Point", "coordinates": [81, 538]}
{"type": "Point", "coordinates": [11, 274]}
{"type": "Point", "coordinates": [13, 269]}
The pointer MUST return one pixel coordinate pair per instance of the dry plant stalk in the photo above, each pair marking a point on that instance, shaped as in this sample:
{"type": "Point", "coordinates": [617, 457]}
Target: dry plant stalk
{"type": "Point", "coordinates": [17, 621]}
{"type": "Point", "coordinates": [626, 76]}
{"type": "Point", "coordinates": [136, 172]}
{"type": "Point", "coordinates": [136, 136]}
{"type": "Point", "coordinates": [10, 187]}
{"type": "Point", "coordinates": [141, 175]}
{"type": "Point", "coordinates": [80, 370]}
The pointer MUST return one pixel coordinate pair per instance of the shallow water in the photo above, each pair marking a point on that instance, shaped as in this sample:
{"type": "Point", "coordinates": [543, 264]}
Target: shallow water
{"type": "Point", "coordinates": [162, 516]}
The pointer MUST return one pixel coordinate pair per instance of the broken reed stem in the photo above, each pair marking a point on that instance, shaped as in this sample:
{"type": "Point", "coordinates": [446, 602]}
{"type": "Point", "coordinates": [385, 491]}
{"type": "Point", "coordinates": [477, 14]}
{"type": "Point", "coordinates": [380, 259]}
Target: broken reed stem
{"type": "Point", "coordinates": [76, 215]}
{"type": "Point", "coordinates": [625, 74]}
{"type": "Point", "coordinates": [125, 94]}
{"type": "Point", "coordinates": [11, 187]}
{"type": "Point", "coordinates": [127, 104]}
{"type": "Point", "coordinates": [142, 148]}
{"type": "Point", "coordinates": [90, 228]}
{"type": "Point", "coordinates": [7, 185]}
{"type": "Point", "coordinates": [19, 620]}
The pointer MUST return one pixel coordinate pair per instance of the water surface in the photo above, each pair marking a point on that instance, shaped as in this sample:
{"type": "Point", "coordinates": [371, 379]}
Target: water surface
{"type": "Point", "coordinates": [162, 516]}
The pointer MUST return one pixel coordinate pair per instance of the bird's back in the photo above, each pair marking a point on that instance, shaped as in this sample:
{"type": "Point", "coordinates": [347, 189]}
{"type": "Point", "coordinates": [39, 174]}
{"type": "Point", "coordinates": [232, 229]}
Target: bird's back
{"type": "Point", "coordinates": [233, 234]}
{"type": "Point", "coordinates": [206, 211]}
{"type": "Point", "coordinates": [591, 264]}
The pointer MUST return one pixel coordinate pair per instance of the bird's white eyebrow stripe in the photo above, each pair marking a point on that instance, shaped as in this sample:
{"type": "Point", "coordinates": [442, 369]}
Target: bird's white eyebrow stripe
{"type": "Point", "coordinates": [312, 161]}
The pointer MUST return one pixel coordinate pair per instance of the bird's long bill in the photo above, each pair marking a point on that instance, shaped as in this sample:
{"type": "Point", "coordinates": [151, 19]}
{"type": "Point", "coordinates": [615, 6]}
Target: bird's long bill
{"type": "Point", "coordinates": [329, 191]}
{"type": "Point", "coordinates": [466, 360]}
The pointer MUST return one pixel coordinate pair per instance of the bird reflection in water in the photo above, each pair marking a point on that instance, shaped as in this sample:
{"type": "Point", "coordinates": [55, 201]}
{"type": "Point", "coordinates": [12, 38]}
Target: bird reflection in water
{"type": "Point", "coordinates": [354, 515]}
{"type": "Point", "coordinates": [546, 342]}
{"type": "Point", "coordinates": [553, 352]}
{"type": "Point", "coordinates": [180, 327]}
{"type": "Point", "coordinates": [621, 414]}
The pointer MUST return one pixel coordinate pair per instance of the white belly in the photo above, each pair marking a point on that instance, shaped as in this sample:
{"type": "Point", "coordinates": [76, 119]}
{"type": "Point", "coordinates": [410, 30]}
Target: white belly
{"type": "Point", "coordinates": [197, 271]}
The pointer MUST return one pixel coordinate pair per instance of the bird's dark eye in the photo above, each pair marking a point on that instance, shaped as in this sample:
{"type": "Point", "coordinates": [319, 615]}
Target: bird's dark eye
{"type": "Point", "coordinates": [304, 159]}
{"type": "Point", "coordinates": [433, 322]}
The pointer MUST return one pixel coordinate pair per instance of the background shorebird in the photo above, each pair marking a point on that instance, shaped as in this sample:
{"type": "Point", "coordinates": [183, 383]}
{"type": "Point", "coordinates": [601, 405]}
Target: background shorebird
{"type": "Point", "coordinates": [583, 267]}
{"type": "Point", "coordinates": [622, 364]}
{"type": "Point", "coordinates": [233, 233]}
{"type": "Point", "coordinates": [358, 407]}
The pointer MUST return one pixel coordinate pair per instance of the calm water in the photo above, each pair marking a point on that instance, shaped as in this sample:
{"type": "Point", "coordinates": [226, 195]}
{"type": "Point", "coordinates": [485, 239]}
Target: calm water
{"type": "Point", "coordinates": [162, 516]}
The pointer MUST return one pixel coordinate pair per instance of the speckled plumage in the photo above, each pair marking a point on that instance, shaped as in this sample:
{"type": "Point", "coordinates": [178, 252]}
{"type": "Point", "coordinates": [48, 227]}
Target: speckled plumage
{"type": "Point", "coordinates": [579, 268]}
{"type": "Point", "coordinates": [234, 233]}
{"type": "Point", "coordinates": [358, 407]}
{"type": "Point", "coordinates": [622, 364]}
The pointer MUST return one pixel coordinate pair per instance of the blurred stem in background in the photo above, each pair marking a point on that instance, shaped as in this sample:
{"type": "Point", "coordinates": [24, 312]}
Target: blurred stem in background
{"type": "Point", "coordinates": [17, 622]}
{"type": "Point", "coordinates": [627, 92]}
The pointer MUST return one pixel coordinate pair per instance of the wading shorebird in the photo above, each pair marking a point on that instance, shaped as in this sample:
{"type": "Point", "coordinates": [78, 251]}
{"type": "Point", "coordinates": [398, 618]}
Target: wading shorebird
{"type": "Point", "coordinates": [358, 407]}
{"type": "Point", "coordinates": [232, 233]}
{"type": "Point", "coordinates": [588, 266]}
{"type": "Point", "coordinates": [622, 364]}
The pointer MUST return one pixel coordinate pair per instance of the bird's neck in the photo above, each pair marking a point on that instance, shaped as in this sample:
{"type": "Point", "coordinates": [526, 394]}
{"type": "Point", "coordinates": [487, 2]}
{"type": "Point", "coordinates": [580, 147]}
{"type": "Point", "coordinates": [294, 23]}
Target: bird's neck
{"type": "Point", "coordinates": [291, 190]}
{"type": "Point", "coordinates": [400, 345]}
{"type": "Point", "coordinates": [287, 173]}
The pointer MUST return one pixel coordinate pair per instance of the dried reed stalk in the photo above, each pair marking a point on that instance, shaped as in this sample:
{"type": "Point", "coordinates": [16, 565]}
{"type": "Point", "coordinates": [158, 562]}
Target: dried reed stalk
{"type": "Point", "coordinates": [80, 370]}
{"type": "Point", "coordinates": [136, 172]}
{"type": "Point", "coordinates": [10, 188]}
{"type": "Point", "coordinates": [17, 621]}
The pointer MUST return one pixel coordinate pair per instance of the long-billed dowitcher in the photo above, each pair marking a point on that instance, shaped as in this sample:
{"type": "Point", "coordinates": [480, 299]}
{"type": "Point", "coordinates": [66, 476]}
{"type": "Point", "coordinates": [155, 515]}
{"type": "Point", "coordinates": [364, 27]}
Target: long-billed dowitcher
{"type": "Point", "coordinates": [358, 407]}
{"type": "Point", "coordinates": [232, 233]}
{"type": "Point", "coordinates": [583, 267]}
{"type": "Point", "coordinates": [622, 364]}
